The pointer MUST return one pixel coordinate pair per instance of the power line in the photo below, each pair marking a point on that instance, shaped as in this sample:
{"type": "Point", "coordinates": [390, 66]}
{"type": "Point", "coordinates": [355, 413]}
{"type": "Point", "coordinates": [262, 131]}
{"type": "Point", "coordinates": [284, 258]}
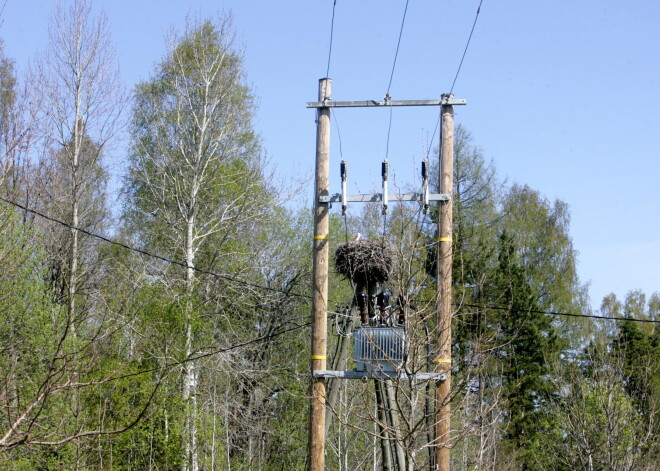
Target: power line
{"type": "Point", "coordinates": [152, 255]}
{"type": "Point", "coordinates": [169, 366]}
{"type": "Point", "coordinates": [466, 46]}
{"type": "Point", "coordinates": [334, 115]}
{"type": "Point", "coordinates": [435, 130]}
{"type": "Point", "coordinates": [332, 29]}
{"type": "Point", "coordinates": [553, 313]}
{"type": "Point", "coordinates": [396, 54]}
{"type": "Point", "coordinates": [458, 71]}
{"type": "Point", "coordinates": [289, 293]}
{"type": "Point", "coordinates": [389, 85]}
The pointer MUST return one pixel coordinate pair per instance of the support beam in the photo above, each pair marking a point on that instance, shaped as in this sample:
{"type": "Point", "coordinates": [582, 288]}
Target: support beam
{"type": "Point", "coordinates": [320, 282]}
{"type": "Point", "coordinates": [445, 100]}
{"type": "Point", "coordinates": [378, 197]}
{"type": "Point", "coordinates": [367, 375]}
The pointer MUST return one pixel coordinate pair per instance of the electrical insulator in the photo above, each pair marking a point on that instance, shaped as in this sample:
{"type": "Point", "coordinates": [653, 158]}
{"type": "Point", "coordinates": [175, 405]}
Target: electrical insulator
{"type": "Point", "coordinates": [383, 302]}
{"type": "Point", "coordinates": [343, 172]}
{"type": "Point", "coordinates": [384, 172]}
{"type": "Point", "coordinates": [425, 186]}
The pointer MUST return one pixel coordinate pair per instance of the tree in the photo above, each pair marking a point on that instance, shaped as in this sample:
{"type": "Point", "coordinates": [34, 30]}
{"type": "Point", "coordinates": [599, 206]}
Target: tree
{"type": "Point", "coordinates": [82, 104]}
{"type": "Point", "coordinates": [513, 255]}
{"type": "Point", "coordinates": [196, 185]}
{"type": "Point", "coordinates": [638, 353]}
{"type": "Point", "coordinates": [607, 411]}
{"type": "Point", "coordinates": [527, 345]}
{"type": "Point", "coordinates": [18, 128]}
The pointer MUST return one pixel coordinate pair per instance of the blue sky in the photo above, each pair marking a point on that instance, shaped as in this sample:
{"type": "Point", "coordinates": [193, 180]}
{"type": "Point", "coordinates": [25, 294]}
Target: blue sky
{"type": "Point", "coordinates": [562, 96]}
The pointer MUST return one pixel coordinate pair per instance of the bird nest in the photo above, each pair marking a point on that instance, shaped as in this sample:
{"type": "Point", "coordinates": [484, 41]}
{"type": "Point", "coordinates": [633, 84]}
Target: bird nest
{"type": "Point", "coordinates": [365, 261]}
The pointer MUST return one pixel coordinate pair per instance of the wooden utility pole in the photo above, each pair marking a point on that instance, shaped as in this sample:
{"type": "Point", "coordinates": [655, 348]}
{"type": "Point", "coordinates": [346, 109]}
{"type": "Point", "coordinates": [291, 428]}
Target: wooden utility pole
{"type": "Point", "coordinates": [322, 200]}
{"type": "Point", "coordinates": [320, 281]}
{"type": "Point", "coordinates": [443, 279]}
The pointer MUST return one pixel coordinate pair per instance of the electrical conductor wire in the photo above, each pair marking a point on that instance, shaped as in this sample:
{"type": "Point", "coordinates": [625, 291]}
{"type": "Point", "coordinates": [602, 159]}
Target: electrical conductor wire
{"type": "Point", "coordinates": [389, 85]}
{"type": "Point", "coordinates": [466, 46]}
{"type": "Point", "coordinates": [149, 254]}
{"type": "Point", "coordinates": [458, 71]}
{"type": "Point", "coordinates": [332, 29]}
{"type": "Point", "coordinates": [288, 293]}
{"type": "Point", "coordinates": [396, 54]}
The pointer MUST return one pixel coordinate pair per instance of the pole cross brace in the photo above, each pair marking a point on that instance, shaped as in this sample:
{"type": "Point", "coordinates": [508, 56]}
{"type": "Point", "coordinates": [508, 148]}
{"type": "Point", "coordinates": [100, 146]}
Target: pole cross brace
{"type": "Point", "coordinates": [378, 197]}
{"type": "Point", "coordinates": [446, 100]}
{"type": "Point", "coordinates": [365, 375]}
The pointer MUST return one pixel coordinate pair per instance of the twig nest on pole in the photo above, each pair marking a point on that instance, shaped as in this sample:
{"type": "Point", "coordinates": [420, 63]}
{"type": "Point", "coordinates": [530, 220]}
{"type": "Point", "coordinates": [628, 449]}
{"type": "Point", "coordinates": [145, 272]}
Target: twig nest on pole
{"type": "Point", "coordinates": [365, 261]}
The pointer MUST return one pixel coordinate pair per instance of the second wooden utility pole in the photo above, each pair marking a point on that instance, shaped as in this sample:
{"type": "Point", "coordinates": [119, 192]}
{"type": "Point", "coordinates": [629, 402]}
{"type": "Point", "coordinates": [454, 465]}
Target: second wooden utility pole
{"type": "Point", "coordinates": [320, 281]}
{"type": "Point", "coordinates": [444, 281]}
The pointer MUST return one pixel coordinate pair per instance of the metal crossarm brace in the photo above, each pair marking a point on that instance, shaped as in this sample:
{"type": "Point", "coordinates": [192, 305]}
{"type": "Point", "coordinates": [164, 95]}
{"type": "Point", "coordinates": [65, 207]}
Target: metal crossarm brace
{"type": "Point", "coordinates": [378, 197]}
{"type": "Point", "coordinates": [446, 100]}
{"type": "Point", "coordinates": [378, 375]}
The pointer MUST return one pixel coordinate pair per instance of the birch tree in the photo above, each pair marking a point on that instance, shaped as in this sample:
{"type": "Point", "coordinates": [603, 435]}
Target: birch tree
{"type": "Point", "coordinates": [195, 183]}
{"type": "Point", "coordinates": [79, 104]}
{"type": "Point", "coordinates": [82, 104]}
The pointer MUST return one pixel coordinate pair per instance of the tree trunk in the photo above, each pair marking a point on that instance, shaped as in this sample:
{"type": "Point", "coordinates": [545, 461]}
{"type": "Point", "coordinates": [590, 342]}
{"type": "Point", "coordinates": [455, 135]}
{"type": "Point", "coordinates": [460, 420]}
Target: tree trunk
{"type": "Point", "coordinates": [189, 462]}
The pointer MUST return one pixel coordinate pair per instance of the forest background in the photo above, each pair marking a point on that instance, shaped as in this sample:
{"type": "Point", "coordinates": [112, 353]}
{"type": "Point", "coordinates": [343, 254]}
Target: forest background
{"type": "Point", "coordinates": [190, 351]}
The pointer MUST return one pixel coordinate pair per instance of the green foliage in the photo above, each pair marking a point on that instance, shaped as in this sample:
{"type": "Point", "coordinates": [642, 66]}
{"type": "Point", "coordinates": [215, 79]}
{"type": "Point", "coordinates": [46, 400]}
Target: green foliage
{"type": "Point", "coordinates": [528, 396]}
{"type": "Point", "coordinates": [605, 416]}
{"type": "Point", "coordinates": [639, 354]}
{"type": "Point", "coordinates": [7, 94]}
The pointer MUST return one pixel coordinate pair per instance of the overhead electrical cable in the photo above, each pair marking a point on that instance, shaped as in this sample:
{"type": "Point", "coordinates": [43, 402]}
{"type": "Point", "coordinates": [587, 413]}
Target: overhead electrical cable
{"type": "Point", "coordinates": [300, 326]}
{"type": "Point", "coordinates": [458, 71]}
{"type": "Point", "coordinates": [334, 115]}
{"type": "Point", "coordinates": [389, 85]}
{"type": "Point", "coordinates": [568, 314]}
{"type": "Point", "coordinates": [396, 54]}
{"type": "Point", "coordinates": [173, 364]}
{"type": "Point", "coordinates": [332, 29]}
{"type": "Point", "coordinates": [466, 46]}
{"type": "Point", "coordinates": [280, 291]}
{"type": "Point", "coordinates": [152, 255]}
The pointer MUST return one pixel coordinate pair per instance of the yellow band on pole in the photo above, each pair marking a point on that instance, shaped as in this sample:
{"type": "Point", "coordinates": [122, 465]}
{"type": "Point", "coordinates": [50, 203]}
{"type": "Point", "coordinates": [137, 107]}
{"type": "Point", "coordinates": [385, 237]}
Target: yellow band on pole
{"type": "Point", "coordinates": [319, 357]}
{"type": "Point", "coordinates": [442, 360]}
{"type": "Point", "coordinates": [320, 237]}
{"type": "Point", "coordinates": [444, 239]}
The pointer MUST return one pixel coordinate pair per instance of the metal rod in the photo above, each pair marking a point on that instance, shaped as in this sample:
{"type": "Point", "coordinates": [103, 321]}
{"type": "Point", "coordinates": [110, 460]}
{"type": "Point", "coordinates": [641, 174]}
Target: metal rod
{"type": "Point", "coordinates": [376, 374]}
{"type": "Point", "coordinates": [378, 197]}
{"type": "Point", "coordinates": [386, 103]}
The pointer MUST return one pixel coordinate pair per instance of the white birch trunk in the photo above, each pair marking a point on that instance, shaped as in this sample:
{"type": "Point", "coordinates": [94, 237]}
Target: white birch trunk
{"type": "Point", "coordinates": [190, 461]}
